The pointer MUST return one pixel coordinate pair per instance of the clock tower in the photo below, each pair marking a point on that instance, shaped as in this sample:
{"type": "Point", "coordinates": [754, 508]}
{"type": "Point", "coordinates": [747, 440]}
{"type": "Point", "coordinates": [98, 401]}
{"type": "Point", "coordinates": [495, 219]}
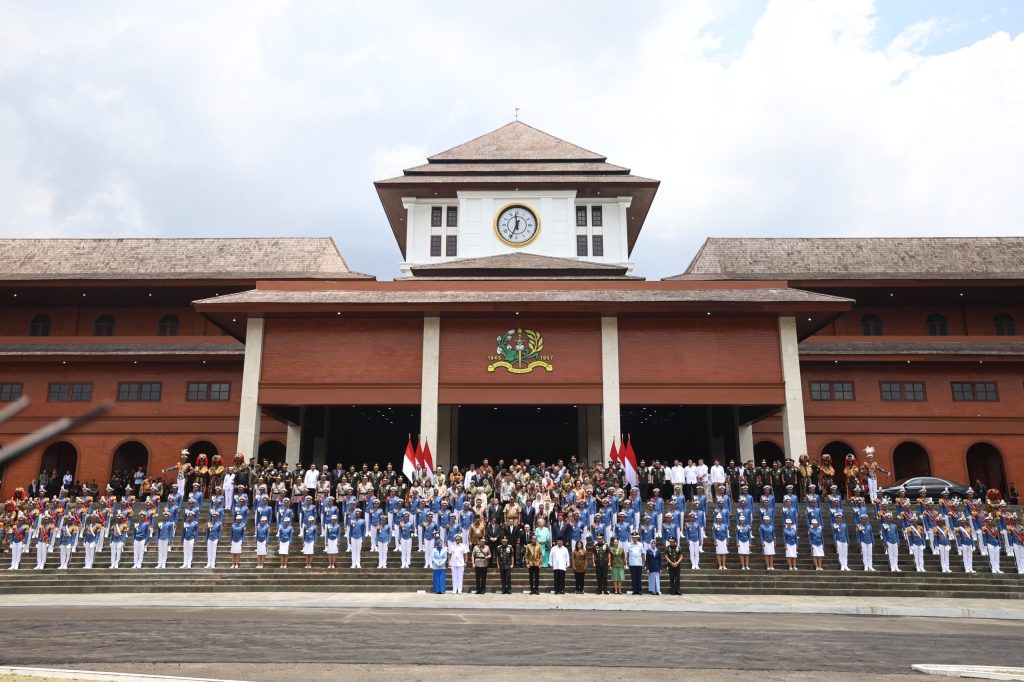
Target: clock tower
{"type": "Point", "coordinates": [513, 197]}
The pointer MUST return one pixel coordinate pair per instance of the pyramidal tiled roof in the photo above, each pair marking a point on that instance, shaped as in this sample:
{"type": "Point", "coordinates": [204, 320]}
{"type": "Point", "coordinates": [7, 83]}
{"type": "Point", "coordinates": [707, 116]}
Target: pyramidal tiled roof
{"type": "Point", "coordinates": [178, 258]}
{"type": "Point", "coordinates": [859, 258]}
{"type": "Point", "coordinates": [516, 141]}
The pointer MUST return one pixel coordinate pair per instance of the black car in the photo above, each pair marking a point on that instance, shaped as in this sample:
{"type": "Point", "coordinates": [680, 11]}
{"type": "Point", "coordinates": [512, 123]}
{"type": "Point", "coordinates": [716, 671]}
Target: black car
{"type": "Point", "coordinates": [933, 487]}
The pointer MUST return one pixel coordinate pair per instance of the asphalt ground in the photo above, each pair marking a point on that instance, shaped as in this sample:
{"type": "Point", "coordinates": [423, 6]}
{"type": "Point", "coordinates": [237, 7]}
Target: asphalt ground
{"type": "Point", "coordinates": [262, 643]}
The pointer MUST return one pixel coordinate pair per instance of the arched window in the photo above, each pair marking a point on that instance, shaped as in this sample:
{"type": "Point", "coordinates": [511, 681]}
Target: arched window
{"type": "Point", "coordinates": [871, 325]}
{"type": "Point", "coordinates": [937, 325]}
{"type": "Point", "coordinates": [40, 325]}
{"type": "Point", "coordinates": [910, 460]}
{"type": "Point", "coordinates": [104, 325]}
{"type": "Point", "coordinates": [1005, 325]}
{"type": "Point", "coordinates": [168, 325]}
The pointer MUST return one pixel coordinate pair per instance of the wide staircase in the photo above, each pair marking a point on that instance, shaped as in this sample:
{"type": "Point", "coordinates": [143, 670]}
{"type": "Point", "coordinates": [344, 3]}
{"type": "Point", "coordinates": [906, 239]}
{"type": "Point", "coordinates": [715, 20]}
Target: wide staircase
{"type": "Point", "coordinates": [707, 580]}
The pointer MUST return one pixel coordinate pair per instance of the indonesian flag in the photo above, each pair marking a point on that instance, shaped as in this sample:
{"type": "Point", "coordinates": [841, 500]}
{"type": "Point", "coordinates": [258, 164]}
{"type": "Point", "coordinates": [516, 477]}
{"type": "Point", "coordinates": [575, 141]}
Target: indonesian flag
{"type": "Point", "coordinates": [409, 461]}
{"type": "Point", "coordinates": [629, 460]}
{"type": "Point", "coordinates": [417, 457]}
{"type": "Point", "coordinates": [425, 459]}
{"type": "Point", "coordinates": [613, 455]}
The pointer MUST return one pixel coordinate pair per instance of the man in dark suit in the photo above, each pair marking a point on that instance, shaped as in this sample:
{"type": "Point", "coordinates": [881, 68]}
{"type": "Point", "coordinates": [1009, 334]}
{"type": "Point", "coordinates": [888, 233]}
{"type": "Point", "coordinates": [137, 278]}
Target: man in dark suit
{"type": "Point", "coordinates": [529, 516]}
{"type": "Point", "coordinates": [561, 529]}
{"type": "Point", "coordinates": [493, 532]}
{"type": "Point", "coordinates": [494, 514]}
{"type": "Point", "coordinates": [525, 537]}
{"type": "Point", "coordinates": [513, 531]}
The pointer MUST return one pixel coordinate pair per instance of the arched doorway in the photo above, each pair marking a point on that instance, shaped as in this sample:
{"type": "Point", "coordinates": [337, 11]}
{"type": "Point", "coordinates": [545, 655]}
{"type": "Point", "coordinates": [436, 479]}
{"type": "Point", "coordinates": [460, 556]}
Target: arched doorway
{"type": "Point", "coordinates": [60, 457]}
{"type": "Point", "coordinates": [837, 451]}
{"type": "Point", "coordinates": [128, 457]}
{"type": "Point", "coordinates": [769, 452]}
{"type": "Point", "coordinates": [985, 464]}
{"type": "Point", "coordinates": [272, 451]}
{"type": "Point", "coordinates": [910, 460]}
{"type": "Point", "coordinates": [202, 447]}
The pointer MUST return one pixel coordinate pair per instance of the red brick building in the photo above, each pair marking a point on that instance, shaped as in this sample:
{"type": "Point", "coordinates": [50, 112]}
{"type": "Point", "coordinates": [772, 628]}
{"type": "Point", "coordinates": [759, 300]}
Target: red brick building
{"type": "Point", "coordinates": [517, 330]}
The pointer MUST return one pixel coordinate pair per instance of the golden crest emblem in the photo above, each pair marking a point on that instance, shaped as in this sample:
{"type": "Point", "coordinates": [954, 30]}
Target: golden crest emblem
{"type": "Point", "coordinates": [520, 351]}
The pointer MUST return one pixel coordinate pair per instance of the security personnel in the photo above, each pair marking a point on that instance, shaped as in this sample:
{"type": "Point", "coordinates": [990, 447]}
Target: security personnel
{"type": "Point", "coordinates": [213, 533]}
{"type": "Point", "coordinates": [140, 538]}
{"type": "Point", "coordinates": [866, 539]}
{"type": "Point", "coordinates": [601, 558]}
{"type": "Point", "coordinates": [118, 535]}
{"type": "Point", "coordinates": [891, 538]}
{"type": "Point", "coordinates": [237, 537]}
{"type": "Point", "coordinates": [383, 540]}
{"type": "Point", "coordinates": [841, 537]}
{"type": "Point", "coordinates": [189, 533]}
{"type": "Point", "coordinates": [406, 529]}
{"type": "Point", "coordinates": [693, 533]}
{"type": "Point", "coordinates": [674, 558]}
{"type": "Point", "coordinates": [506, 560]}
{"type": "Point", "coordinates": [964, 535]}
{"type": "Point", "coordinates": [164, 531]}
{"type": "Point", "coordinates": [356, 533]}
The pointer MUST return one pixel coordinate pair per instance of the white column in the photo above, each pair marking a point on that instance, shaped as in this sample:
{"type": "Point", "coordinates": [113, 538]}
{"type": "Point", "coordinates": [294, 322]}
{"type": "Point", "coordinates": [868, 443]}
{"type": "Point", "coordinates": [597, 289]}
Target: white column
{"type": "Point", "coordinates": [610, 413]}
{"type": "Point", "coordinates": [430, 375]}
{"type": "Point", "coordinates": [794, 431]}
{"type": "Point", "coordinates": [293, 446]}
{"type": "Point", "coordinates": [746, 438]}
{"type": "Point", "coordinates": [249, 409]}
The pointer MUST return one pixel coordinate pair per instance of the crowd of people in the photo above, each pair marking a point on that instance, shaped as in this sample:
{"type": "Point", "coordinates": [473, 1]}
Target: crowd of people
{"type": "Point", "coordinates": [562, 517]}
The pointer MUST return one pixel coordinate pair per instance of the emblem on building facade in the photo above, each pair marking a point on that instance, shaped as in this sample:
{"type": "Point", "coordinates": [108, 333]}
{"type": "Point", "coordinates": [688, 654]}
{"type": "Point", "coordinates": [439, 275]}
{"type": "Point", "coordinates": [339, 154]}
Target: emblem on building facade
{"type": "Point", "coordinates": [519, 351]}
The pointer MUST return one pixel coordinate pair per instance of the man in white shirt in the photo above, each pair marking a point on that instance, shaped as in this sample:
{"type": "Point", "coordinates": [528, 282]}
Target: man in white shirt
{"type": "Point", "coordinates": [717, 475]}
{"type": "Point", "coordinates": [559, 560]}
{"type": "Point", "coordinates": [309, 480]}
{"type": "Point", "coordinates": [702, 476]}
{"type": "Point", "coordinates": [676, 474]}
{"type": "Point", "coordinates": [689, 478]}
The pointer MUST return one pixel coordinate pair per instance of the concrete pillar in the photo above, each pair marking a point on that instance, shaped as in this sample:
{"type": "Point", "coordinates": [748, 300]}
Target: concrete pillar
{"type": "Point", "coordinates": [794, 431]}
{"type": "Point", "coordinates": [610, 407]}
{"type": "Point", "coordinates": [443, 450]}
{"type": "Point", "coordinates": [429, 379]}
{"type": "Point", "coordinates": [745, 433]}
{"type": "Point", "coordinates": [293, 446]}
{"type": "Point", "coordinates": [249, 409]}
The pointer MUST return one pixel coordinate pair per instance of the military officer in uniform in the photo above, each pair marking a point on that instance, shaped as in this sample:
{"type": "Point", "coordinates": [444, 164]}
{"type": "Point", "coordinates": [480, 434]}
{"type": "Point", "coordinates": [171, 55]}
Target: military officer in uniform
{"type": "Point", "coordinates": [506, 562]}
{"type": "Point", "coordinates": [674, 559]}
{"type": "Point", "coordinates": [601, 558]}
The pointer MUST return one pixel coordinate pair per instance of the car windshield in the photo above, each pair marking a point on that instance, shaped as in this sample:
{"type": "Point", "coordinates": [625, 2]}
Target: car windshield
{"type": "Point", "coordinates": [912, 481]}
{"type": "Point", "coordinates": [934, 481]}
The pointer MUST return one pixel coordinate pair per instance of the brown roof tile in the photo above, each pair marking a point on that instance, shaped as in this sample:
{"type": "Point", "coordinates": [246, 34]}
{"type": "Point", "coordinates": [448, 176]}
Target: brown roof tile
{"type": "Point", "coordinates": [859, 258]}
{"type": "Point", "coordinates": [117, 259]}
{"type": "Point", "coordinates": [911, 348]}
{"type": "Point", "coordinates": [517, 141]}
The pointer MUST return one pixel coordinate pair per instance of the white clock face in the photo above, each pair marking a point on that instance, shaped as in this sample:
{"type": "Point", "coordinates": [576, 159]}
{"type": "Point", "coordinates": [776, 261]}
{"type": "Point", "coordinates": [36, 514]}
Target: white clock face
{"type": "Point", "coordinates": [516, 225]}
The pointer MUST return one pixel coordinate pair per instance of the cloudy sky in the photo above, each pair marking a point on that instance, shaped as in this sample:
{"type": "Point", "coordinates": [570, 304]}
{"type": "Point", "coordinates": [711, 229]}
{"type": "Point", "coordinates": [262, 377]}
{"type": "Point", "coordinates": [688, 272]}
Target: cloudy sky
{"type": "Point", "coordinates": [760, 117]}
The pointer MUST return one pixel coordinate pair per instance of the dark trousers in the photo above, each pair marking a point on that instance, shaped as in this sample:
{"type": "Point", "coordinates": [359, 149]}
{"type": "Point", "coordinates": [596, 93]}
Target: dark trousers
{"type": "Point", "coordinates": [579, 582]}
{"type": "Point", "coordinates": [602, 578]}
{"type": "Point", "coordinates": [534, 578]}
{"type": "Point", "coordinates": [506, 581]}
{"type": "Point", "coordinates": [634, 576]}
{"type": "Point", "coordinates": [481, 579]}
{"type": "Point", "coordinates": [673, 580]}
{"type": "Point", "coordinates": [559, 582]}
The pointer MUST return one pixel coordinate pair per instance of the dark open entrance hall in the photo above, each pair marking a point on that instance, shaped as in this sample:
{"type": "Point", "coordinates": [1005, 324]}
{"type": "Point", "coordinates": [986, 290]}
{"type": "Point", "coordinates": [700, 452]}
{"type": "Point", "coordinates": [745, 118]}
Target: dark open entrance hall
{"type": "Point", "coordinates": [538, 433]}
{"type": "Point", "coordinates": [357, 434]}
{"type": "Point", "coordinates": [670, 432]}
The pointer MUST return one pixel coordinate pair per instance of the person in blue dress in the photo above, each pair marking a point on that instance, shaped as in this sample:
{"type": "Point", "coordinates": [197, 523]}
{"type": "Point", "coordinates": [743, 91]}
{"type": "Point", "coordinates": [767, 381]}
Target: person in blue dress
{"type": "Point", "coordinates": [766, 533]}
{"type": "Point", "coordinates": [285, 531]}
{"type": "Point", "coordinates": [332, 538]}
{"type": "Point", "coordinates": [789, 539]}
{"type": "Point", "coordinates": [743, 541]}
{"type": "Point", "coordinates": [816, 538]}
{"type": "Point", "coordinates": [439, 563]}
{"type": "Point", "coordinates": [237, 536]}
{"type": "Point", "coordinates": [309, 532]}
{"type": "Point", "coordinates": [262, 538]}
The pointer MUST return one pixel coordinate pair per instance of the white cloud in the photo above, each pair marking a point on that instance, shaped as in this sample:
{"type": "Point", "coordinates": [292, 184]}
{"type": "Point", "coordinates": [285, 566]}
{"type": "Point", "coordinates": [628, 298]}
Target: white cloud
{"type": "Point", "coordinates": [274, 118]}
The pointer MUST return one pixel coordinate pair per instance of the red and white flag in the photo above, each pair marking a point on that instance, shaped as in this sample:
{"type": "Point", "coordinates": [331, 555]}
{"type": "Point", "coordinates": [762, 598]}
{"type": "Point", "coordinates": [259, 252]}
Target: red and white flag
{"type": "Point", "coordinates": [425, 459]}
{"type": "Point", "coordinates": [417, 457]}
{"type": "Point", "coordinates": [629, 461]}
{"type": "Point", "coordinates": [613, 454]}
{"type": "Point", "coordinates": [409, 461]}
